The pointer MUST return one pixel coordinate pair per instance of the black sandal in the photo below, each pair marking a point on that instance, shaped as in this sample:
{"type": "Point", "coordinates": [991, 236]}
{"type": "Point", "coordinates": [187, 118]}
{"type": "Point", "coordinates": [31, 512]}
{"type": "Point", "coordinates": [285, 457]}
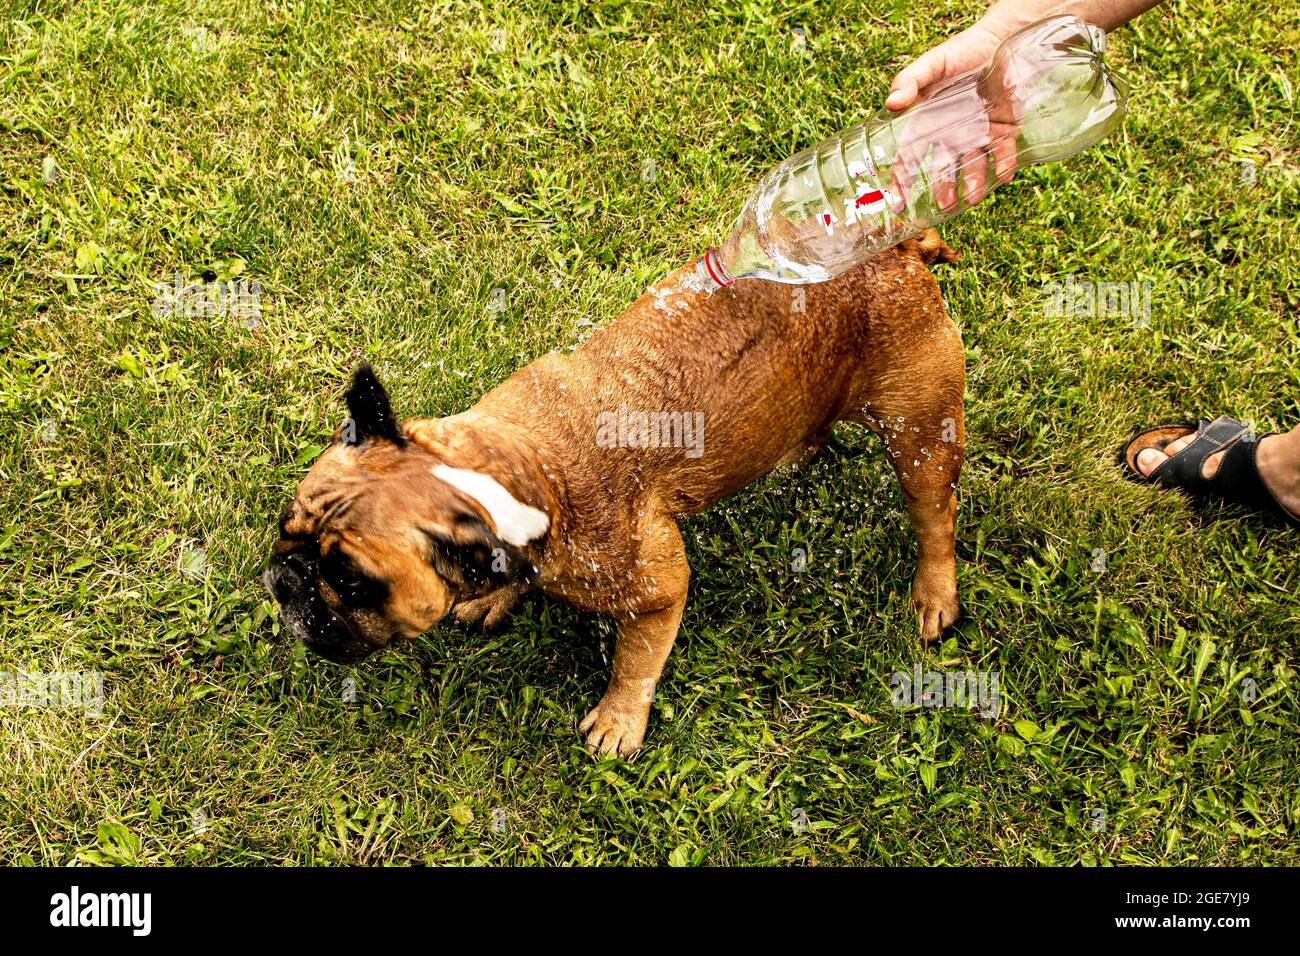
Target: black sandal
{"type": "Point", "coordinates": [1237, 479]}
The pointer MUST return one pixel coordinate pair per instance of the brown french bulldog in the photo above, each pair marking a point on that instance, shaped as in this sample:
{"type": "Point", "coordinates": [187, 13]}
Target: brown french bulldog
{"type": "Point", "coordinates": [570, 475]}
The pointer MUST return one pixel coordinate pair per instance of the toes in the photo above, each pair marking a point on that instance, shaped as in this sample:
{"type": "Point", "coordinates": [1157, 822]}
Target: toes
{"type": "Point", "coordinates": [1211, 466]}
{"type": "Point", "coordinates": [1148, 460]}
{"type": "Point", "coordinates": [933, 619]}
{"type": "Point", "coordinates": [1178, 444]}
{"type": "Point", "coordinates": [1150, 449]}
{"type": "Point", "coordinates": [486, 613]}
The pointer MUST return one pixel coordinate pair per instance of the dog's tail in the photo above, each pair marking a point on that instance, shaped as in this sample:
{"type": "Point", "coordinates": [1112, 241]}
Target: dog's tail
{"type": "Point", "coordinates": [933, 249]}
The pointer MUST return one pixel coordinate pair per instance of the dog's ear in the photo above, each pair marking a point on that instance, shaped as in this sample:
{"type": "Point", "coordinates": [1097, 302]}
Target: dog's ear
{"type": "Point", "coordinates": [933, 249]}
{"type": "Point", "coordinates": [370, 410]}
{"type": "Point", "coordinates": [471, 557]}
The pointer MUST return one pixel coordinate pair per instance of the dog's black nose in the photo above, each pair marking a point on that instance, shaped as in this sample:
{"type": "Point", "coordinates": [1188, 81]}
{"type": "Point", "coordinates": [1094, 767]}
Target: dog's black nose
{"type": "Point", "coordinates": [290, 576]}
{"type": "Point", "coordinates": [298, 571]}
{"type": "Point", "coordinates": [288, 585]}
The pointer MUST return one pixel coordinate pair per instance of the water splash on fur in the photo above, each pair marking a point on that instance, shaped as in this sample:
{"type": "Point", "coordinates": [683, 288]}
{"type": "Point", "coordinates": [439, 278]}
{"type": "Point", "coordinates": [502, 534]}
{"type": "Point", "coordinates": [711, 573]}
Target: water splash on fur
{"type": "Point", "coordinates": [688, 283]}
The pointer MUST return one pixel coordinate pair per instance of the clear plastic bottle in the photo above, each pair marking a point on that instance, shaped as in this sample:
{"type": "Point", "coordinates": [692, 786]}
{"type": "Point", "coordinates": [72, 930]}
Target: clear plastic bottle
{"type": "Point", "coordinates": [1044, 96]}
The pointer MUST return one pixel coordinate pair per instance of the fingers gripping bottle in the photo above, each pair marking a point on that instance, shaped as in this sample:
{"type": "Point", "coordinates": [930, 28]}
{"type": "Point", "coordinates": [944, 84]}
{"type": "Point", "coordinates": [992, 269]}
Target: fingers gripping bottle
{"type": "Point", "coordinates": [1044, 96]}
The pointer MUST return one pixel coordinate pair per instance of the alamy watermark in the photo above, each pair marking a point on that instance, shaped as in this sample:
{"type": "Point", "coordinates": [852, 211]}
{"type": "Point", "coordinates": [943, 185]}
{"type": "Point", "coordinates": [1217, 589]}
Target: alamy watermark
{"type": "Point", "coordinates": [74, 908]}
{"type": "Point", "coordinates": [236, 299]}
{"type": "Point", "coordinates": [625, 428]}
{"type": "Point", "coordinates": [55, 690]}
{"type": "Point", "coordinates": [973, 690]}
{"type": "Point", "coordinates": [1083, 298]}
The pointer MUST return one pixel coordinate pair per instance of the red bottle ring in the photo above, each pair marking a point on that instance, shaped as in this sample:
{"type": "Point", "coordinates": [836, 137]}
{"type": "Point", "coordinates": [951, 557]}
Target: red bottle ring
{"type": "Point", "coordinates": [713, 263]}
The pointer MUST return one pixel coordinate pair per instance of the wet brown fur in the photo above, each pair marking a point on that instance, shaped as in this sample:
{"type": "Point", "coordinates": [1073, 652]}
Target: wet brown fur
{"type": "Point", "coordinates": [874, 346]}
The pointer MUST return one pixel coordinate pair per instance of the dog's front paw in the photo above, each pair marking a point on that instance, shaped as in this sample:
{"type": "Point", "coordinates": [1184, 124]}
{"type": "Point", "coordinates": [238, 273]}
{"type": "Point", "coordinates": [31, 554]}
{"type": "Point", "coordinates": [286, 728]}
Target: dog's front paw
{"type": "Point", "coordinates": [615, 727]}
{"type": "Point", "coordinates": [934, 599]}
{"type": "Point", "coordinates": [488, 611]}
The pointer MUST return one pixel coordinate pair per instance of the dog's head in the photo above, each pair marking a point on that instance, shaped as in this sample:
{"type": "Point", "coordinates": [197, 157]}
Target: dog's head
{"type": "Point", "coordinates": [382, 538]}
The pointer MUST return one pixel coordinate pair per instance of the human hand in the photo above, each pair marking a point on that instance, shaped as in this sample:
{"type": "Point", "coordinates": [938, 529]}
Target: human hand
{"type": "Point", "coordinates": [959, 54]}
{"type": "Point", "coordinates": [952, 134]}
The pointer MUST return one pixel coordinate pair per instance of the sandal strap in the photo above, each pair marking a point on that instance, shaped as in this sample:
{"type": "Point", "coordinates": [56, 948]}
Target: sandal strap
{"type": "Point", "coordinates": [1242, 482]}
{"type": "Point", "coordinates": [1183, 470]}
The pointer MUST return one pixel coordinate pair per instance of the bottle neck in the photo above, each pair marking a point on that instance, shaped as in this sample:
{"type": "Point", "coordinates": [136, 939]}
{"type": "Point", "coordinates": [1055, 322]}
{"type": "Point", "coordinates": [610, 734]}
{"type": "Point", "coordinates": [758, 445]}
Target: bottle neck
{"type": "Point", "coordinates": [710, 270]}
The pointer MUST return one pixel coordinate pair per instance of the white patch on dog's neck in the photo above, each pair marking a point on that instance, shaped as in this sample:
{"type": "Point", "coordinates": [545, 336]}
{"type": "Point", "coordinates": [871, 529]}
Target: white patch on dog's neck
{"type": "Point", "coordinates": [517, 523]}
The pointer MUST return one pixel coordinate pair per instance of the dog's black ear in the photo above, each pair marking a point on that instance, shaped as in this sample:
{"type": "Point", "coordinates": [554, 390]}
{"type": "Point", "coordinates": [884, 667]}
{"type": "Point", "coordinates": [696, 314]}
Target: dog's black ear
{"type": "Point", "coordinates": [370, 410]}
{"type": "Point", "coordinates": [471, 557]}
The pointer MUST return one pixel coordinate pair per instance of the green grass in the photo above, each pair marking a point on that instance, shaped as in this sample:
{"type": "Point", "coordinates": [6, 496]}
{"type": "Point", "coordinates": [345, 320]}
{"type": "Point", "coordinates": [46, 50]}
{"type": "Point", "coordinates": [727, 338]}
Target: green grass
{"type": "Point", "coordinates": [380, 169]}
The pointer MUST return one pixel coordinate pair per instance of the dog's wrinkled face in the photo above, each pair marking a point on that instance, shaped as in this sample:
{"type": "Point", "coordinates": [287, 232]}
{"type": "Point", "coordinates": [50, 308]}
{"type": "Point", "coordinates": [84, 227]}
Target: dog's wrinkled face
{"type": "Point", "coordinates": [373, 547]}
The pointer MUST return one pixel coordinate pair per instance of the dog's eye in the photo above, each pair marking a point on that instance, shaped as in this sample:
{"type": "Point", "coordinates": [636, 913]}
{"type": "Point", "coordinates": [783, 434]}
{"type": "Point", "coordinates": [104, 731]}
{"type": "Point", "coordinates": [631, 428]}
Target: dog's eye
{"type": "Point", "coordinates": [354, 588]}
{"type": "Point", "coordinates": [347, 584]}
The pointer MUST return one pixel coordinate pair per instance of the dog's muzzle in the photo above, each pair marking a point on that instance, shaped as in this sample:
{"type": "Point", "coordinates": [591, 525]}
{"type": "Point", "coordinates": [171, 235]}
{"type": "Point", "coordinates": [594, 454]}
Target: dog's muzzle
{"type": "Point", "coordinates": [292, 580]}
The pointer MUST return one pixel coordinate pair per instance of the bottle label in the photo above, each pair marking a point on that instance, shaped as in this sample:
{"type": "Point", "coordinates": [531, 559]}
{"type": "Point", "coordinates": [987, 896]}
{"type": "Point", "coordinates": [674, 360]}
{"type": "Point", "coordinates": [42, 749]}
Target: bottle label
{"type": "Point", "coordinates": [870, 198]}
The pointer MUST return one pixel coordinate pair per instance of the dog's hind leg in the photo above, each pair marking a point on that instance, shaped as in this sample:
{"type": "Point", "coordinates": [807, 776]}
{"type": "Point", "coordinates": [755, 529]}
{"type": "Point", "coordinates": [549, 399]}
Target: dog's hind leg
{"type": "Point", "coordinates": [923, 432]}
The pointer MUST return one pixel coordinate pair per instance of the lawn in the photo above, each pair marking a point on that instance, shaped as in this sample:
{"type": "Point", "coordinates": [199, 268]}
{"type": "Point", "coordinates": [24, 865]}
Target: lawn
{"type": "Point", "coordinates": [452, 189]}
